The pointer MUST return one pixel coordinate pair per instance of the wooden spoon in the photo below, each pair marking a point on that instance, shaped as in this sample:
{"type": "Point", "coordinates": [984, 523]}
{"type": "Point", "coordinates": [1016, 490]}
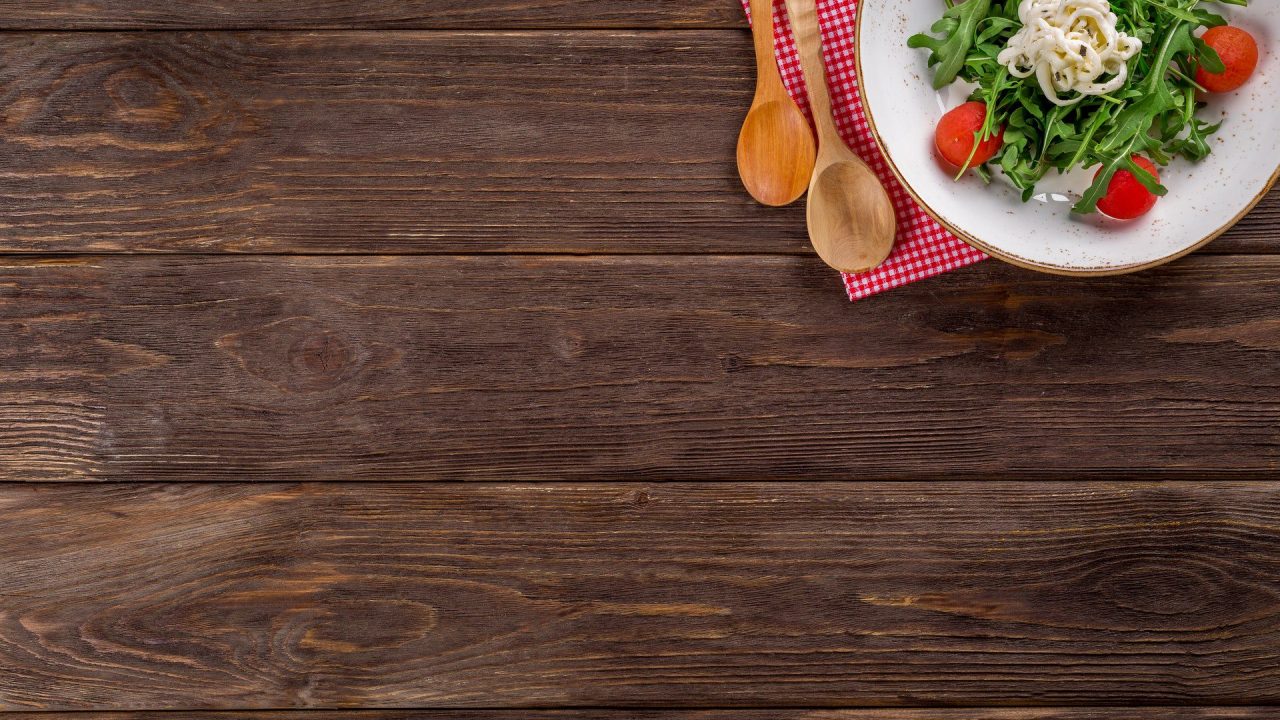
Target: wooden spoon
{"type": "Point", "coordinates": [776, 149]}
{"type": "Point", "coordinates": [851, 219]}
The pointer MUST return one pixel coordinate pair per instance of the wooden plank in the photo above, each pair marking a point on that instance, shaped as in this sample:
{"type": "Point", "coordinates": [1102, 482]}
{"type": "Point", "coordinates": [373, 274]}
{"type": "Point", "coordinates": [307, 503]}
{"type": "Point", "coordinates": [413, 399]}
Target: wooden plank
{"type": "Point", "coordinates": [357, 142]}
{"type": "Point", "coordinates": [503, 596]}
{"type": "Point", "coordinates": [695, 368]}
{"type": "Point", "coordinates": [1128, 713]}
{"type": "Point", "coordinates": [377, 142]}
{"type": "Point", "coordinates": [366, 14]}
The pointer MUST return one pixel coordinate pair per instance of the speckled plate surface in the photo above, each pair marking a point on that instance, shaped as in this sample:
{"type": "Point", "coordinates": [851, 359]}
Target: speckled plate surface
{"type": "Point", "coordinates": [1204, 200]}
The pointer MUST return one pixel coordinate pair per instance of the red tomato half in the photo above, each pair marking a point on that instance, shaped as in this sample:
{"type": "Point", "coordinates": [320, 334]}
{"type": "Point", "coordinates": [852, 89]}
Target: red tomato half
{"type": "Point", "coordinates": [1239, 52]}
{"type": "Point", "coordinates": [1126, 198]}
{"type": "Point", "coordinates": [955, 136]}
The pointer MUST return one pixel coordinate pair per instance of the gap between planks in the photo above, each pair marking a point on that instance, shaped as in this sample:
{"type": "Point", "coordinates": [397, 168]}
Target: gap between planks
{"type": "Point", "coordinates": [607, 713]}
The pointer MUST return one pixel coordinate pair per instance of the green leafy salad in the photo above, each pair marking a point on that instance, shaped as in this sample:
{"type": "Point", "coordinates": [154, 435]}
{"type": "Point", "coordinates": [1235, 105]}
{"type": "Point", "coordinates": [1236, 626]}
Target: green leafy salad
{"type": "Point", "coordinates": [1083, 83]}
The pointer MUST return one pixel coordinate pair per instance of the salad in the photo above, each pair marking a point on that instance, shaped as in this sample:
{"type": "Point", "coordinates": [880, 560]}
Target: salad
{"type": "Point", "coordinates": [1061, 84]}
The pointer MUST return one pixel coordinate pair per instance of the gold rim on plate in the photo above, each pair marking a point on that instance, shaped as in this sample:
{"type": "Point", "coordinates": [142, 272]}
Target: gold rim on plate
{"type": "Point", "coordinates": [1009, 257]}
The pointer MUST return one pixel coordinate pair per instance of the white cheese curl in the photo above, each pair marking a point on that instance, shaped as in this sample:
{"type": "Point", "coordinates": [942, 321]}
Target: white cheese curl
{"type": "Point", "coordinates": [1070, 45]}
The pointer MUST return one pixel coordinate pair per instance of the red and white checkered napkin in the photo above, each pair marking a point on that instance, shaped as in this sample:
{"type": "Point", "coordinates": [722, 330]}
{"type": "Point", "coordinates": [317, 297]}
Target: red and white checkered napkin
{"type": "Point", "coordinates": [924, 247]}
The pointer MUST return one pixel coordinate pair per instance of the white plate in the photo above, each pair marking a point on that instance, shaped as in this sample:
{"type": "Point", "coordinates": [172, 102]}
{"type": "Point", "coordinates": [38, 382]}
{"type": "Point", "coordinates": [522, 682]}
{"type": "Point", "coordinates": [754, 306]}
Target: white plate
{"type": "Point", "coordinates": [1204, 199]}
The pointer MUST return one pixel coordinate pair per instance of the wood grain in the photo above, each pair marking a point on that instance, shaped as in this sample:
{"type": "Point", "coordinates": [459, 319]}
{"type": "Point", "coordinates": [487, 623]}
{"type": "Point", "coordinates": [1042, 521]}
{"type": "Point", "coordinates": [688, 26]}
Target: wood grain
{"type": "Point", "coordinates": [452, 595]}
{"type": "Point", "coordinates": [390, 142]}
{"type": "Point", "coordinates": [1095, 713]}
{"type": "Point", "coordinates": [691, 368]}
{"type": "Point", "coordinates": [367, 14]}
{"type": "Point", "coordinates": [379, 142]}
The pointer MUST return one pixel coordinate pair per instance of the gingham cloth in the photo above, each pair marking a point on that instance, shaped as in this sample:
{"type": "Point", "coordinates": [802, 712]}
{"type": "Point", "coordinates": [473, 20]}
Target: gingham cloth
{"type": "Point", "coordinates": [924, 248]}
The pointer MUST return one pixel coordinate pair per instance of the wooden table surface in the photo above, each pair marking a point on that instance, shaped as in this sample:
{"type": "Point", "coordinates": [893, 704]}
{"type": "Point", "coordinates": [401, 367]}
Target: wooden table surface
{"type": "Point", "coordinates": [425, 357]}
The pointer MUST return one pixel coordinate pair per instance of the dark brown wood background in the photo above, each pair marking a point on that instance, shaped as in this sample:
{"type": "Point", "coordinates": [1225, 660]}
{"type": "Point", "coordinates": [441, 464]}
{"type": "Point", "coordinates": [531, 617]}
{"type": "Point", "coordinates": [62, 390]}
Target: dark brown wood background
{"type": "Point", "coordinates": [277, 277]}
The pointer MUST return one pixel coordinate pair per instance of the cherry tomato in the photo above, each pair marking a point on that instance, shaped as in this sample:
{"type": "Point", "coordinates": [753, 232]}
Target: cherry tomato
{"type": "Point", "coordinates": [955, 136]}
{"type": "Point", "coordinates": [1126, 198]}
{"type": "Point", "coordinates": [1239, 52]}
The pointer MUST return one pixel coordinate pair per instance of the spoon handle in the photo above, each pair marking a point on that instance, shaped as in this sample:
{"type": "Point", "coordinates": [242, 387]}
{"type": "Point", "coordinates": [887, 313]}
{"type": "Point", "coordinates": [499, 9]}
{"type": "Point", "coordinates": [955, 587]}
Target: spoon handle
{"type": "Point", "coordinates": [762, 34]}
{"type": "Point", "coordinates": [808, 34]}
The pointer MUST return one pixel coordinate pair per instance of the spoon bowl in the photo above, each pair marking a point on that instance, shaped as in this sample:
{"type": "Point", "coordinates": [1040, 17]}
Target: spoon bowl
{"type": "Point", "coordinates": [851, 227]}
{"type": "Point", "coordinates": [776, 152]}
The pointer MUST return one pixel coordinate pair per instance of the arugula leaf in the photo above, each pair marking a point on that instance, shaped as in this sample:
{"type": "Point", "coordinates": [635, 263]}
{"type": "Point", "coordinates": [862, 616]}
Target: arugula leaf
{"type": "Point", "coordinates": [958, 25]}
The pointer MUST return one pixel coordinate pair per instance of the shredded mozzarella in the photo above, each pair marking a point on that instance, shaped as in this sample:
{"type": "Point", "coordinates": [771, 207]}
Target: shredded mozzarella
{"type": "Point", "coordinates": [1069, 45]}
